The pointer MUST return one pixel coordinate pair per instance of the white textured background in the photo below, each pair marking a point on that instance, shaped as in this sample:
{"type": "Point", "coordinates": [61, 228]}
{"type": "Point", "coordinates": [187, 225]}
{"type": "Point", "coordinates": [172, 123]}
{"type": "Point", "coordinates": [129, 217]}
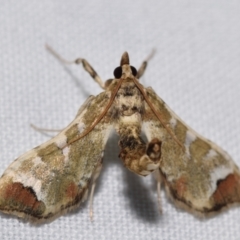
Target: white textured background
{"type": "Point", "coordinates": [196, 71]}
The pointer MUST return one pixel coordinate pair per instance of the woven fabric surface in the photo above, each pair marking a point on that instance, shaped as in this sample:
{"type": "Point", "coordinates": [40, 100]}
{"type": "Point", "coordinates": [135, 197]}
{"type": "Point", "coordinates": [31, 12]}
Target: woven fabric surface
{"type": "Point", "coordinates": [196, 70]}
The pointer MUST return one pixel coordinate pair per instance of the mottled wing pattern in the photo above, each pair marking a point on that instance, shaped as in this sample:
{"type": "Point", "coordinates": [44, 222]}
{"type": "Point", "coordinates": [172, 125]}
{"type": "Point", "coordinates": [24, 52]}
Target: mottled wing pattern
{"type": "Point", "coordinates": [55, 176]}
{"type": "Point", "coordinates": [197, 173]}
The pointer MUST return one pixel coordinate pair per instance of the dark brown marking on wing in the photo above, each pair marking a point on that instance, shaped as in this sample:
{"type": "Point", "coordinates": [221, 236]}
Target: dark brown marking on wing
{"type": "Point", "coordinates": [22, 199]}
{"type": "Point", "coordinates": [227, 192]}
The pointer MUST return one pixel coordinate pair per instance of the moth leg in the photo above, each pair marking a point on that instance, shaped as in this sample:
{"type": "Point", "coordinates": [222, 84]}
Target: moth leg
{"type": "Point", "coordinates": [158, 177]}
{"type": "Point", "coordinates": [94, 179]}
{"type": "Point", "coordinates": [91, 201]}
{"type": "Point", "coordinates": [138, 156]}
{"type": "Point", "coordinates": [143, 66]}
{"type": "Point", "coordinates": [41, 130]}
{"type": "Point", "coordinates": [82, 61]}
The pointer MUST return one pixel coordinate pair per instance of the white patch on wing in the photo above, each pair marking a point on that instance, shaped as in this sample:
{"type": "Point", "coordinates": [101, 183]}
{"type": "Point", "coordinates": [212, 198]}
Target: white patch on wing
{"type": "Point", "coordinates": [153, 132]}
{"type": "Point", "coordinates": [41, 195]}
{"type": "Point", "coordinates": [81, 127]}
{"type": "Point", "coordinates": [66, 153]}
{"type": "Point", "coordinates": [173, 122]}
{"type": "Point", "coordinates": [211, 154]}
{"type": "Point", "coordinates": [216, 150]}
{"type": "Point", "coordinates": [190, 137]}
{"type": "Point", "coordinates": [218, 173]}
{"type": "Point", "coordinates": [38, 160]}
{"type": "Point", "coordinates": [83, 183]}
{"type": "Point", "coordinates": [61, 140]}
{"type": "Point", "coordinates": [146, 126]}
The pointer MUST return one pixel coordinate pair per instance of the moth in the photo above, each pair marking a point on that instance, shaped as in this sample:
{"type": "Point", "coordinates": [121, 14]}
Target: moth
{"type": "Point", "coordinates": [60, 174]}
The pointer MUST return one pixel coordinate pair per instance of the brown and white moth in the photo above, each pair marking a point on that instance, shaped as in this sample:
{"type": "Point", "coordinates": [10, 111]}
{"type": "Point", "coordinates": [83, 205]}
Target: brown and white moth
{"type": "Point", "coordinates": [57, 175]}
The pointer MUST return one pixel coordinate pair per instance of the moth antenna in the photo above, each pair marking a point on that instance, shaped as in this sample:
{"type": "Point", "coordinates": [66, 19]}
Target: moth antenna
{"type": "Point", "coordinates": [41, 130]}
{"type": "Point", "coordinates": [151, 55]}
{"type": "Point", "coordinates": [78, 61]}
{"type": "Point", "coordinates": [57, 56]}
{"type": "Point", "coordinates": [144, 64]}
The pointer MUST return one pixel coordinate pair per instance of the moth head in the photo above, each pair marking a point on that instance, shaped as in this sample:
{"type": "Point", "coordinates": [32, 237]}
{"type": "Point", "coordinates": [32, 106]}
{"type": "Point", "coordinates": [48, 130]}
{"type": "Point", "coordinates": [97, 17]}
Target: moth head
{"type": "Point", "coordinates": [125, 70]}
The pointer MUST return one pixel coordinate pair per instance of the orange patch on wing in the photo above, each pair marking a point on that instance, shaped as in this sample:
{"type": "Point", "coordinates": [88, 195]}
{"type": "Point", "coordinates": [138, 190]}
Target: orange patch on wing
{"type": "Point", "coordinates": [22, 199]}
{"type": "Point", "coordinates": [72, 190]}
{"type": "Point", "coordinates": [228, 190]}
{"type": "Point", "coordinates": [181, 186]}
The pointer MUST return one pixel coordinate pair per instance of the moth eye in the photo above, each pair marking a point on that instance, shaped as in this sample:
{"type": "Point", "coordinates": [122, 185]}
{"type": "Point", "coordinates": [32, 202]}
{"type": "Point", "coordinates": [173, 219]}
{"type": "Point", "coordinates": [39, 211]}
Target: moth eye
{"type": "Point", "coordinates": [134, 71]}
{"type": "Point", "coordinates": [117, 72]}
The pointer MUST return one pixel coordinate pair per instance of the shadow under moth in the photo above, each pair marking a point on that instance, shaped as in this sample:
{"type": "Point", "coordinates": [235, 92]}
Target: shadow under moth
{"type": "Point", "coordinates": [61, 173]}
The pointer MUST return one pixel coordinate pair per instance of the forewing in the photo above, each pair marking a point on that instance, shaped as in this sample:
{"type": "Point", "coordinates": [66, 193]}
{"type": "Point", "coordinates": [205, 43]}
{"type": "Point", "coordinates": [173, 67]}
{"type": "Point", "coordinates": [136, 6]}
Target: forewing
{"type": "Point", "coordinates": [197, 173]}
{"type": "Point", "coordinates": [53, 177]}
